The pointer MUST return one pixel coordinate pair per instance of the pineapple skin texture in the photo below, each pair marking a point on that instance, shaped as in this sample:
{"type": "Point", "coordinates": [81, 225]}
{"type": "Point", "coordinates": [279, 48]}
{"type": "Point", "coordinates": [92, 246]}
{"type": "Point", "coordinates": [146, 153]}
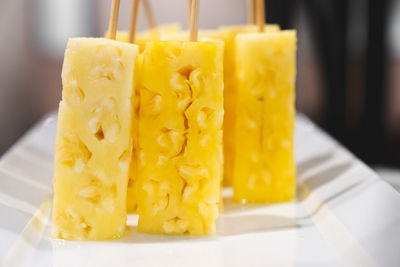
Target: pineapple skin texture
{"type": "Point", "coordinates": [94, 142]}
{"type": "Point", "coordinates": [180, 137]}
{"type": "Point", "coordinates": [264, 169]}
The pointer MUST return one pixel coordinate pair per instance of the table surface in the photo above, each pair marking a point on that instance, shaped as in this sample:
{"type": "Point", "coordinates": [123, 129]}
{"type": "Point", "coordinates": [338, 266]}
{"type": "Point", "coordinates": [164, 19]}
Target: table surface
{"type": "Point", "coordinates": [344, 215]}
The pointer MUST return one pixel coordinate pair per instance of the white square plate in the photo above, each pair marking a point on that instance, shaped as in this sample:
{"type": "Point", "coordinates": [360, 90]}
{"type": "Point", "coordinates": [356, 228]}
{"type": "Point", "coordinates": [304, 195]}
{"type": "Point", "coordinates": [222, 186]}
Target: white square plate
{"type": "Point", "coordinates": [344, 215]}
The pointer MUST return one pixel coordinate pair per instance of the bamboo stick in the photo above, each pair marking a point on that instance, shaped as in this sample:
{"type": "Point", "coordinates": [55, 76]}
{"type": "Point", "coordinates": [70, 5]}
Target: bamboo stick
{"type": "Point", "coordinates": [113, 22]}
{"type": "Point", "coordinates": [148, 11]}
{"type": "Point", "coordinates": [260, 11]}
{"type": "Point", "coordinates": [194, 20]}
{"type": "Point", "coordinates": [251, 10]}
{"type": "Point", "coordinates": [134, 15]}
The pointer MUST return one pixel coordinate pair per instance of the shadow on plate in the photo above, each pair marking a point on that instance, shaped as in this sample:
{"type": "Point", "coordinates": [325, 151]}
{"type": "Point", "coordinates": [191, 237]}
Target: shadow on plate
{"type": "Point", "coordinates": [226, 226]}
{"type": "Point", "coordinates": [325, 176]}
{"type": "Point", "coordinates": [255, 223]}
{"type": "Point", "coordinates": [132, 236]}
{"type": "Point", "coordinates": [303, 167]}
{"type": "Point", "coordinates": [231, 207]}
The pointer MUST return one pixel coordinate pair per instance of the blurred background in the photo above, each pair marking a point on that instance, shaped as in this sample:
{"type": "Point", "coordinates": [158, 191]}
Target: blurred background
{"type": "Point", "coordinates": [348, 61]}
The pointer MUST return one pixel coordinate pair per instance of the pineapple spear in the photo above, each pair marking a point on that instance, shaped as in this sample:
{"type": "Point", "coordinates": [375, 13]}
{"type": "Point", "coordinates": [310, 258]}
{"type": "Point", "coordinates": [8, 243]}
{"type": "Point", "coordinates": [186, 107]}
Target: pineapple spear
{"type": "Point", "coordinates": [264, 169]}
{"type": "Point", "coordinates": [94, 143]}
{"type": "Point", "coordinates": [180, 135]}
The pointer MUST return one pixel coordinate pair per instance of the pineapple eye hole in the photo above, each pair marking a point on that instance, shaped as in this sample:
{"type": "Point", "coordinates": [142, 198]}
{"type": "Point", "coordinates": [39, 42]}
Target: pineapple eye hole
{"type": "Point", "coordinates": [176, 225]}
{"type": "Point", "coordinates": [99, 134]}
{"type": "Point", "coordinates": [185, 184]}
{"type": "Point", "coordinates": [86, 227]}
{"type": "Point", "coordinates": [81, 94]}
{"type": "Point", "coordinates": [184, 146]}
{"type": "Point", "coordinates": [82, 156]}
{"type": "Point", "coordinates": [119, 51]}
{"type": "Point", "coordinates": [151, 101]}
{"type": "Point", "coordinates": [124, 156]}
{"type": "Point", "coordinates": [165, 130]}
{"type": "Point", "coordinates": [167, 201]}
{"type": "Point", "coordinates": [186, 71]}
{"type": "Point", "coordinates": [68, 162]}
{"type": "Point", "coordinates": [91, 191]}
{"type": "Point", "coordinates": [113, 190]}
{"type": "Point", "coordinates": [99, 48]}
{"type": "Point", "coordinates": [108, 76]}
{"type": "Point", "coordinates": [136, 102]}
{"type": "Point", "coordinates": [202, 184]}
{"type": "Point", "coordinates": [208, 111]}
{"type": "Point", "coordinates": [76, 95]}
{"type": "Point", "coordinates": [130, 182]}
{"type": "Point", "coordinates": [86, 151]}
{"type": "Point", "coordinates": [176, 51]}
{"type": "Point", "coordinates": [185, 118]}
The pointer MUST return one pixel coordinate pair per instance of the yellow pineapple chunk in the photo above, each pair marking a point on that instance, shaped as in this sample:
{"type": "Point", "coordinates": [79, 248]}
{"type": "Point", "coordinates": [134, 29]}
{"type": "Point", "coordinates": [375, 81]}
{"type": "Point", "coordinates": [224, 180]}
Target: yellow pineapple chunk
{"type": "Point", "coordinates": [155, 34]}
{"type": "Point", "coordinates": [264, 170]}
{"type": "Point", "coordinates": [226, 34]}
{"type": "Point", "coordinates": [141, 39]}
{"type": "Point", "coordinates": [94, 140]}
{"type": "Point", "coordinates": [180, 137]}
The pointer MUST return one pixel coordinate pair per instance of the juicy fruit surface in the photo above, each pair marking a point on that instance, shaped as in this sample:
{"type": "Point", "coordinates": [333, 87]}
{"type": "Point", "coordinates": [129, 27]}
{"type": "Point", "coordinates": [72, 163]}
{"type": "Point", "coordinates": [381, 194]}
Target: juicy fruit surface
{"type": "Point", "coordinates": [180, 137]}
{"type": "Point", "coordinates": [228, 34]}
{"type": "Point", "coordinates": [264, 163]}
{"type": "Point", "coordinates": [94, 141]}
{"type": "Point", "coordinates": [142, 38]}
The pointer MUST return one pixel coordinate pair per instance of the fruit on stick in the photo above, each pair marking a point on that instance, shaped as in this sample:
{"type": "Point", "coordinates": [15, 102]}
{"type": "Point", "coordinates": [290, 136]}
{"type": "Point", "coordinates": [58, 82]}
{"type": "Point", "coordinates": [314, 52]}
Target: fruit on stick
{"type": "Point", "coordinates": [264, 170]}
{"type": "Point", "coordinates": [94, 139]}
{"type": "Point", "coordinates": [226, 34]}
{"type": "Point", "coordinates": [180, 137]}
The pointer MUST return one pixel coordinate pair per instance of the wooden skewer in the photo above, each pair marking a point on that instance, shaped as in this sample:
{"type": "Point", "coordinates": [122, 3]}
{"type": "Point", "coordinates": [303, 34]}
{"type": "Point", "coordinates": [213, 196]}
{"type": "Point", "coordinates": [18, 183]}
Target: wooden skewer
{"type": "Point", "coordinates": [251, 10]}
{"type": "Point", "coordinates": [149, 14]}
{"type": "Point", "coordinates": [113, 22]}
{"type": "Point", "coordinates": [189, 11]}
{"type": "Point", "coordinates": [260, 15]}
{"type": "Point", "coordinates": [134, 16]}
{"type": "Point", "coordinates": [194, 20]}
